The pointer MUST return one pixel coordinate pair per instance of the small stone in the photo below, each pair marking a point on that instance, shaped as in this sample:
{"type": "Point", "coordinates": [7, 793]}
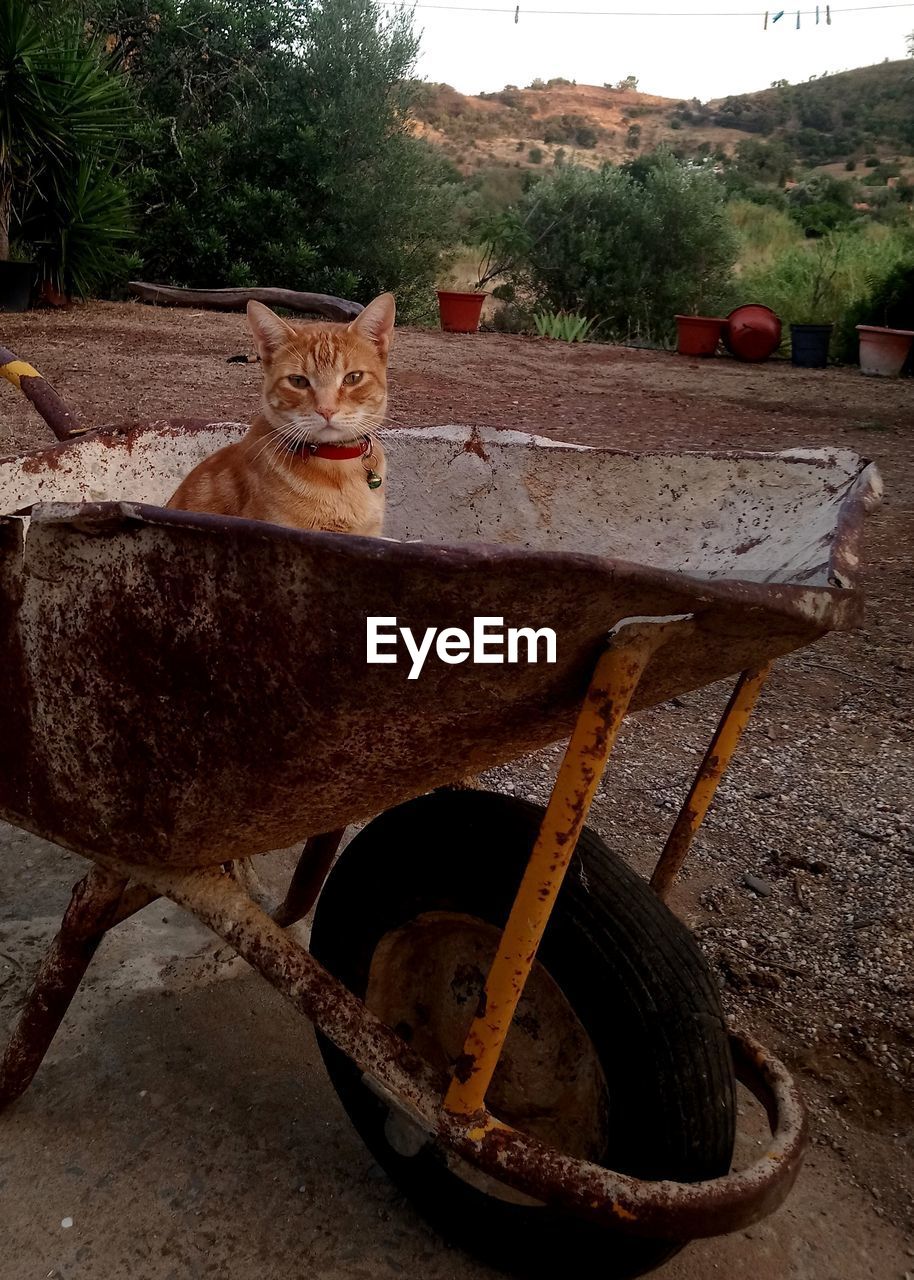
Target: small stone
{"type": "Point", "coordinates": [763, 888]}
{"type": "Point", "coordinates": [66, 1223]}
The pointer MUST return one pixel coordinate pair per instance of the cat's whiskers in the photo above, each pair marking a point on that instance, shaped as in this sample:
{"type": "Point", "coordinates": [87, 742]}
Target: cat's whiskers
{"type": "Point", "coordinates": [269, 441]}
{"type": "Point", "coordinates": [265, 444]}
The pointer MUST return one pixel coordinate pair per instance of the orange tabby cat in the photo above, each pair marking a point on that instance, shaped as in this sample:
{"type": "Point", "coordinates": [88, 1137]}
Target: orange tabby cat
{"type": "Point", "coordinates": [311, 458]}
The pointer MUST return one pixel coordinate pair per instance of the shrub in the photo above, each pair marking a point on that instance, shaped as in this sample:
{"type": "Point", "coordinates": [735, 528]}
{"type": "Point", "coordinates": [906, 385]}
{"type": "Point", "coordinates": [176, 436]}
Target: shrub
{"type": "Point", "coordinates": [826, 280]}
{"type": "Point", "coordinates": [821, 204]}
{"type": "Point", "coordinates": [769, 162]}
{"type": "Point", "coordinates": [512, 318]}
{"type": "Point", "coordinates": [889, 301]}
{"type": "Point", "coordinates": [764, 232]}
{"type": "Point", "coordinates": [601, 243]}
{"type": "Point", "coordinates": [535, 155]}
{"type": "Point", "coordinates": [574, 129]}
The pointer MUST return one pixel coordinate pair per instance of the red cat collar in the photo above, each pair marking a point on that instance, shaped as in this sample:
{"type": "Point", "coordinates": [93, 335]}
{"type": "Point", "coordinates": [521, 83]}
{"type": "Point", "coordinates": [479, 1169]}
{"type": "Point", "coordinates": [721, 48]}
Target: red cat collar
{"type": "Point", "coordinates": [338, 452]}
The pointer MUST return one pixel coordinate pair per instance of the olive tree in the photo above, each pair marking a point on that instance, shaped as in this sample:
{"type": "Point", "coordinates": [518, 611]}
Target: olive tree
{"type": "Point", "coordinates": [628, 249]}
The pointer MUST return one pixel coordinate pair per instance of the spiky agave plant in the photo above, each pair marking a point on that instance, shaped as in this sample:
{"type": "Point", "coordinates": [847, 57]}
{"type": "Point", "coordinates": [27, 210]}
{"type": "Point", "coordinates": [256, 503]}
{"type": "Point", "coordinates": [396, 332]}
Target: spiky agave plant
{"type": "Point", "coordinates": [76, 237]}
{"type": "Point", "coordinates": [564, 326]}
{"type": "Point", "coordinates": [64, 111]}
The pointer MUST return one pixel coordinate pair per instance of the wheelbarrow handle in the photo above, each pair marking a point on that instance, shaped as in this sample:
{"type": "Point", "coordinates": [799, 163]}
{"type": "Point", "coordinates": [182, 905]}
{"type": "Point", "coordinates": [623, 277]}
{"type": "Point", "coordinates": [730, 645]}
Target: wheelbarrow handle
{"type": "Point", "coordinates": [42, 395]}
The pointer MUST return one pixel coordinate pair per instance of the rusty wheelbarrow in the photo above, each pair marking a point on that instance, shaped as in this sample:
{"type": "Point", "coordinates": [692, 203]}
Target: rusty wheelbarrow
{"type": "Point", "coordinates": [525, 1036]}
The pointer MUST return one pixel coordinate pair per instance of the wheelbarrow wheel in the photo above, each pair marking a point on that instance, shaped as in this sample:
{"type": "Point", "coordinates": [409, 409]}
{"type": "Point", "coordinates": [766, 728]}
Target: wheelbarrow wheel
{"type": "Point", "coordinates": [618, 1052]}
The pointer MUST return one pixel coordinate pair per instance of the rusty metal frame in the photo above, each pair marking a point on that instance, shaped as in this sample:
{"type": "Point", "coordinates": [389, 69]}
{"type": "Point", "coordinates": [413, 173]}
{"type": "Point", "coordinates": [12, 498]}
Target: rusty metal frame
{"type": "Point", "coordinates": [101, 900]}
{"type": "Point", "coordinates": [113, 890]}
{"type": "Point", "coordinates": [611, 689]}
{"type": "Point", "coordinates": [409, 1083]}
{"type": "Point", "coordinates": [704, 787]}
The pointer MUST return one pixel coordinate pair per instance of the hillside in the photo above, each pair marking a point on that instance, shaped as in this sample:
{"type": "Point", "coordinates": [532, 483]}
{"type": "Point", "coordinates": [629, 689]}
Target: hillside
{"type": "Point", "coordinates": [830, 118]}
{"type": "Point", "coordinates": [837, 119]}
{"type": "Point", "coordinates": [595, 124]}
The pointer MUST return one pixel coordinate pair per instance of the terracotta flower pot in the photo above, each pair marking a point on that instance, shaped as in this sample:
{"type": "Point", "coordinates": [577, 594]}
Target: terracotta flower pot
{"type": "Point", "coordinates": [698, 335]}
{"type": "Point", "coordinates": [883, 352]}
{"type": "Point", "coordinates": [752, 332]}
{"type": "Point", "coordinates": [460, 312]}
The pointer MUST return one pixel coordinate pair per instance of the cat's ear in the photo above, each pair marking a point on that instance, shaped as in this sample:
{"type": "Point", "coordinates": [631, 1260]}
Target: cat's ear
{"type": "Point", "coordinates": [376, 322]}
{"type": "Point", "coordinates": [270, 332]}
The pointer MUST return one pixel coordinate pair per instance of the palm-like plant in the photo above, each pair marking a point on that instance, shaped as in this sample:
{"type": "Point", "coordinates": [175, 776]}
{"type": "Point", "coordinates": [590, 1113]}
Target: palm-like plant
{"type": "Point", "coordinates": [64, 111]}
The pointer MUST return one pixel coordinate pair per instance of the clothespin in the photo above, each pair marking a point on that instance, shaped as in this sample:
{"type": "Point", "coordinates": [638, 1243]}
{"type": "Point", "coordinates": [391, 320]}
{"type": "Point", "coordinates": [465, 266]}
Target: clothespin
{"type": "Point", "coordinates": [817, 15]}
{"type": "Point", "coordinates": [777, 16]}
{"type": "Point", "coordinates": [798, 19]}
{"type": "Point", "coordinates": [828, 14]}
{"type": "Point", "coordinates": [517, 15]}
{"type": "Point", "coordinates": [765, 27]}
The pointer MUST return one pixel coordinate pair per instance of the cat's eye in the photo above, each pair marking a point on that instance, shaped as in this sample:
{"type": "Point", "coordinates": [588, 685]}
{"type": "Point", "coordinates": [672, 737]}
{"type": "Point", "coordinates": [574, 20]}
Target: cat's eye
{"type": "Point", "coordinates": [352, 378]}
{"type": "Point", "coordinates": [299, 380]}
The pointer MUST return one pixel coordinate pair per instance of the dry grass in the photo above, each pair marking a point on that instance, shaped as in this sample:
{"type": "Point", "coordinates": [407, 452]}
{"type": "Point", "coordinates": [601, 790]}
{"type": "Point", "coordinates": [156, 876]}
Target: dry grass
{"type": "Point", "coordinates": [765, 233]}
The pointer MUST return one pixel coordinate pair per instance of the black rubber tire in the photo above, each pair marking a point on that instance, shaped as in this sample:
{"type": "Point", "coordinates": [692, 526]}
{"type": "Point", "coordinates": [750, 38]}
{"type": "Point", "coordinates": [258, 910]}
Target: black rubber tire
{"type": "Point", "coordinates": [631, 972]}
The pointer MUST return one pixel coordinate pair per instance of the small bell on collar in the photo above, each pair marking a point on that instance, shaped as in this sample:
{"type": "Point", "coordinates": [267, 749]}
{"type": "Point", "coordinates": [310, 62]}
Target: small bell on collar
{"type": "Point", "coordinates": [374, 480]}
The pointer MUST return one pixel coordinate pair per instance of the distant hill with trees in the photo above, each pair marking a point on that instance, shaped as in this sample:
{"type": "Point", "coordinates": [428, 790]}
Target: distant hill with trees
{"type": "Point", "coordinates": [843, 119]}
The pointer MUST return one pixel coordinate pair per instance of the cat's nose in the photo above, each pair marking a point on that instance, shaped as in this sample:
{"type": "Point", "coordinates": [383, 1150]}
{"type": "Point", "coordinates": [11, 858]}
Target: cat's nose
{"type": "Point", "coordinates": [325, 412]}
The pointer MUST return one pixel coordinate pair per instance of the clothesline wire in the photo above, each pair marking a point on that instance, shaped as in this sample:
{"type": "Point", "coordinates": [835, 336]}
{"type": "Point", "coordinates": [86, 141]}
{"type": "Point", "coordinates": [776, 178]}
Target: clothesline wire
{"type": "Point", "coordinates": [512, 10]}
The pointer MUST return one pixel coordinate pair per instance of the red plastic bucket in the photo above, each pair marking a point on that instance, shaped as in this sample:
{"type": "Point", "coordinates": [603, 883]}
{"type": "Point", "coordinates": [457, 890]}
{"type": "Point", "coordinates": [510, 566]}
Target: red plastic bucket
{"type": "Point", "coordinates": [698, 335]}
{"type": "Point", "coordinates": [460, 312]}
{"type": "Point", "coordinates": [752, 332]}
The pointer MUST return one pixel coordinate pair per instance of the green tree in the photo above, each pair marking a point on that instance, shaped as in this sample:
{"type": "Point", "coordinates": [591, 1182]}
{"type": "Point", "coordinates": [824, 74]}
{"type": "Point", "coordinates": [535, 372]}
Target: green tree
{"type": "Point", "coordinates": [631, 250]}
{"type": "Point", "coordinates": [275, 145]}
{"type": "Point", "coordinates": [766, 162]}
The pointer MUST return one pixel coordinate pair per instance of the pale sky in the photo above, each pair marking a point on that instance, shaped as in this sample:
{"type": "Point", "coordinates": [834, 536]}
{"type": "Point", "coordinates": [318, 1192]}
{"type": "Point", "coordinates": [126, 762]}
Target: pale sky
{"type": "Point", "coordinates": [676, 56]}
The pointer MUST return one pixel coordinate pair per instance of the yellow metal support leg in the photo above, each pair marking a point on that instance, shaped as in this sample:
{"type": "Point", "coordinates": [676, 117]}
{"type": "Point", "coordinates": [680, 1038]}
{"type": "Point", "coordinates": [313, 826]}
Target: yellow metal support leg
{"type": "Point", "coordinates": [614, 681]}
{"type": "Point", "coordinates": [718, 756]}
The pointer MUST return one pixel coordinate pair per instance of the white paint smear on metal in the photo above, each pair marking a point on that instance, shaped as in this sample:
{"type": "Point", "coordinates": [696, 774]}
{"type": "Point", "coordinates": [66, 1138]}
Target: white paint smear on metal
{"type": "Point", "coordinates": [768, 517]}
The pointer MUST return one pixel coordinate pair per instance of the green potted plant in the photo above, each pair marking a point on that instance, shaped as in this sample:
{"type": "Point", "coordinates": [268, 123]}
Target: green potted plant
{"type": "Point", "coordinates": [461, 310]}
{"type": "Point", "coordinates": [504, 237]}
{"type": "Point", "coordinates": [810, 334]}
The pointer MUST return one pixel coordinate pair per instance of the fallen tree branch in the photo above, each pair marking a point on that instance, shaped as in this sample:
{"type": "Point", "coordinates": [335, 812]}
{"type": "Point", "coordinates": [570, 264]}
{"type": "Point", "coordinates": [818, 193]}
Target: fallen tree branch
{"type": "Point", "coordinates": [321, 304]}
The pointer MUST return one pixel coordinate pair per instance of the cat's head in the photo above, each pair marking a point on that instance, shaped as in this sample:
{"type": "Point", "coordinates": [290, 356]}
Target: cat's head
{"type": "Point", "coordinates": [324, 383]}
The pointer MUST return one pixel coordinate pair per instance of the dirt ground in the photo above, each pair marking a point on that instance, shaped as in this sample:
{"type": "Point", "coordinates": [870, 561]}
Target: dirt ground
{"type": "Point", "coordinates": [182, 1126]}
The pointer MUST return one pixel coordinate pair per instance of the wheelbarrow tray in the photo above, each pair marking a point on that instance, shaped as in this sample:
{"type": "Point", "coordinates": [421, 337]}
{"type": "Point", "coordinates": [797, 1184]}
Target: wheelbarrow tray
{"type": "Point", "coordinates": [188, 689]}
